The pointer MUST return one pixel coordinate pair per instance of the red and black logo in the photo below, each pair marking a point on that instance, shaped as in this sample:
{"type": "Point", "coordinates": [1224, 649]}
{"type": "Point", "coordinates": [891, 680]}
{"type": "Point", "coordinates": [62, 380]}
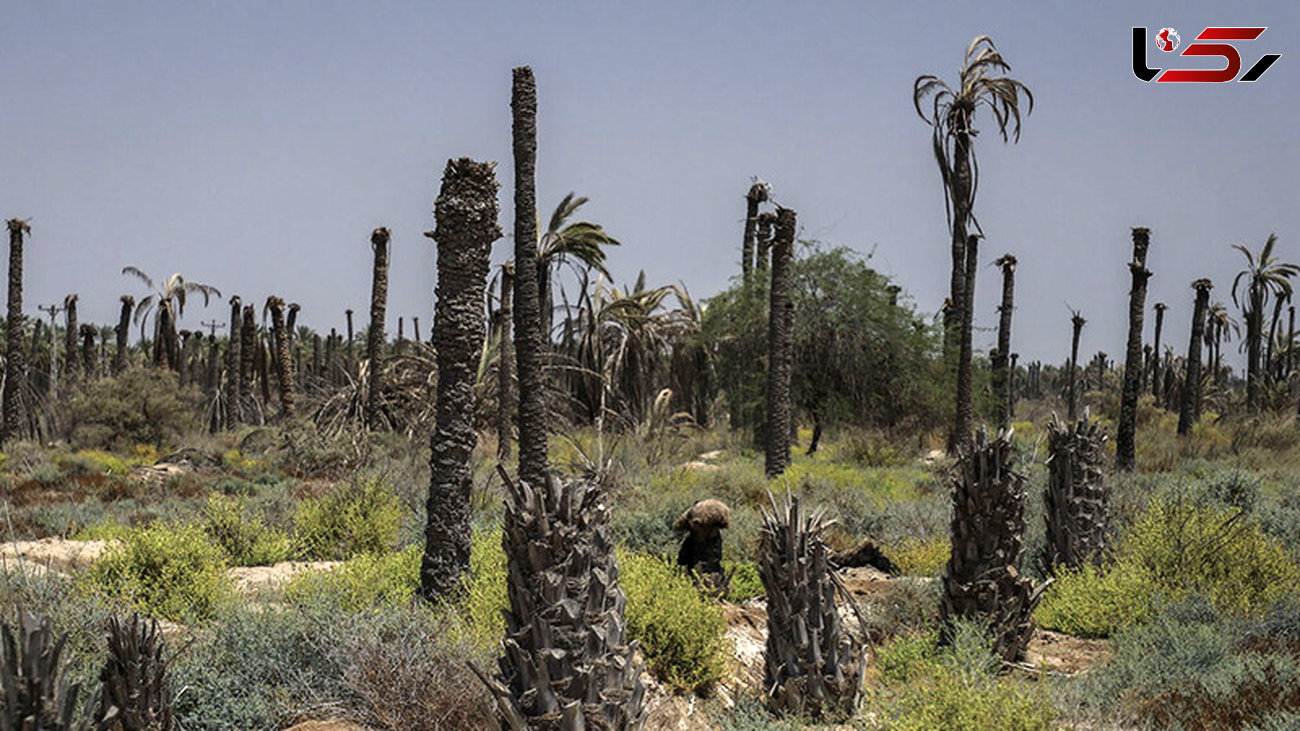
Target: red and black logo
{"type": "Point", "coordinates": [1167, 40]}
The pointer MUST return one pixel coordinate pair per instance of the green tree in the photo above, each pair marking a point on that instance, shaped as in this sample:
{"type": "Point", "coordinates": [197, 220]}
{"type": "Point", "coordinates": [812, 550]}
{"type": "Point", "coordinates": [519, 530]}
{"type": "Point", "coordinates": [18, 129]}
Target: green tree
{"type": "Point", "coordinates": [1264, 278]}
{"type": "Point", "coordinates": [166, 303]}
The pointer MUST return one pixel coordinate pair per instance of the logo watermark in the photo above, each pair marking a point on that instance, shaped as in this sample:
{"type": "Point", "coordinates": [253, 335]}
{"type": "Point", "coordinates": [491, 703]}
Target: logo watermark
{"type": "Point", "coordinates": [1168, 40]}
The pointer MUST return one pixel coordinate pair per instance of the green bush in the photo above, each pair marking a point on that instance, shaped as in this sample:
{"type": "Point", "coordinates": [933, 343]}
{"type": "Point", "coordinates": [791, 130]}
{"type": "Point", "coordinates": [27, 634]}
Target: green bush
{"type": "Point", "coordinates": [164, 570]}
{"type": "Point", "coordinates": [485, 590]}
{"type": "Point", "coordinates": [682, 633]}
{"type": "Point", "coordinates": [246, 541]}
{"type": "Point", "coordinates": [140, 406]}
{"type": "Point", "coordinates": [745, 583]}
{"type": "Point", "coordinates": [352, 519]}
{"type": "Point", "coordinates": [1096, 602]}
{"type": "Point", "coordinates": [368, 581]}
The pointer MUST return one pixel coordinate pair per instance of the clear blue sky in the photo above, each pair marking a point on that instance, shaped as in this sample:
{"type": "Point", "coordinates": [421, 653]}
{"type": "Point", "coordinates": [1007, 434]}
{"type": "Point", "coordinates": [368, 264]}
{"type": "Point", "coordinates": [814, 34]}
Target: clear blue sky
{"type": "Point", "coordinates": [253, 146]}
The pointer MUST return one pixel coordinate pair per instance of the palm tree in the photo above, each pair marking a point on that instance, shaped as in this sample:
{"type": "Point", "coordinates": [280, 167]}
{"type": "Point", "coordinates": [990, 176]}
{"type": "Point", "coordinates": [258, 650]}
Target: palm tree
{"type": "Point", "coordinates": [1125, 456]}
{"type": "Point", "coordinates": [1001, 361]}
{"type": "Point", "coordinates": [529, 334]}
{"type": "Point", "coordinates": [961, 429]}
{"type": "Point", "coordinates": [780, 347]}
{"type": "Point", "coordinates": [1263, 277]}
{"type": "Point", "coordinates": [1071, 397]}
{"type": "Point", "coordinates": [758, 193]}
{"type": "Point", "coordinates": [15, 367]}
{"type": "Point", "coordinates": [1219, 328]}
{"type": "Point", "coordinates": [166, 302]}
{"type": "Point", "coordinates": [123, 333]}
{"type": "Point", "coordinates": [379, 239]}
{"type": "Point", "coordinates": [951, 118]}
{"type": "Point", "coordinates": [1190, 407]}
{"type": "Point", "coordinates": [505, 362]}
{"type": "Point", "coordinates": [1155, 351]}
{"type": "Point", "coordinates": [70, 332]}
{"type": "Point", "coordinates": [579, 244]}
{"type": "Point", "coordinates": [284, 368]}
{"type": "Point", "coordinates": [234, 362]}
{"type": "Point", "coordinates": [466, 212]}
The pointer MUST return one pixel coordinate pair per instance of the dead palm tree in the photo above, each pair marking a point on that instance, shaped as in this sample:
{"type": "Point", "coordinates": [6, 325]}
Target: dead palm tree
{"type": "Point", "coordinates": [234, 366]}
{"type": "Point", "coordinates": [529, 334]}
{"type": "Point", "coordinates": [1219, 328]}
{"type": "Point", "coordinates": [123, 332]}
{"type": "Point", "coordinates": [1263, 278]}
{"type": "Point", "coordinates": [780, 347]}
{"type": "Point", "coordinates": [1001, 360]}
{"type": "Point", "coordinates": [15, 365]}
{"type": "Point", "coordinates": [166, 303]}
{"type": "Point", "coordinates": [1076, 503]}
{"type": "Point", "coordinates": [1125, 449]}
{"type": "Point", "coordinates": [379, 239]}
{"type": "Point", "coordinates": [70, 333]}
{"type": "Point", "coordinates": [1071, 394]}
{"type": "Point", "coordinates": [758, 193]}
{"type": "Point", "coordinates": [1156, 389]}
{"type": "Point", "coordinates": [1189, 411]}
{"type": "Point", "coordinates": [505, 362]}
{"type": "Point", "coordinates": [466, 212]}
{"type": "Point", "coordinates": [951, 117]}
{"type": "Point", "coordinates": [283, 359]}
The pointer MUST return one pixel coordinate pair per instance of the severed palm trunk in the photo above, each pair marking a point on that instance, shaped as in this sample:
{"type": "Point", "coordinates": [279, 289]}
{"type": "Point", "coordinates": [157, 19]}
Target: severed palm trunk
{"type": "Point", "coordinates": [982, 582]}
{"type": "Point", "coordinates": [813, 666]}
{"type": "Point", "coordinates": [527, 311]}
{"type": "Point", "coordinates": [1156, 388]}
{"type": "Point", "coordinates": [375, 335]}
{"type": "Point", "coordinates": [33, 680]}
{"type": "Point", "coordinates": [88, 333]}
{"type": "Point", "coordinates": [248, 350]}
{"type": "Point", "coordinates": [283, 358]}
{"type": "Point", "coordinates": [15, 363]}
{"type": "Point", "coordinates": [567, 661]}
{"type": "Point", "coordinates": [1077, 500]}
{"type": "Point", "coordinates": [1125, 450]}
{"type": "Point", "coordinates": [466, 212]}
{"type": "Point", "coordinates": [1071, 390]}
{"type": "Point", "coordinates": [136, 692]}
{"type": "Point", "coordinates": [763, 240]}
{"type": "Point", "coordinates": [349, 361]}
{"type": "Point", "coordinates": [963, 414]}
{"type": "Point", "coordinates": [71, 362]}
{"type": "Point", "coordinates": [123, 333]}
{"type": "Point", "coordinates": [505, 364]}
{"type": "Point", "coordinates": [1001, 357]}
{"type": "Point", "coordinates": [234, 366]}
{"type": "Point", "coordinates": [780, 348]}
{"type": "Point", "coordinates": [1189, 411]}
{"type": "Point", "coordinates": [756, 195]}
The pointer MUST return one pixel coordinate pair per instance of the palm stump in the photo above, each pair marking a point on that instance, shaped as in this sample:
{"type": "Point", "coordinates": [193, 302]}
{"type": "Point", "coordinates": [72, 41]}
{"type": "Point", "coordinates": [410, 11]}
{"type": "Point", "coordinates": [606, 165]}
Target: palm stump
{"type": "Point", "coordinates": [568, 663]}
{"type": "Point", "coordinates": [982, 582]}
{"type": "Point", "coordinates": [813, 665]}
{"type": "Point", "coordinates": [1076, 501]}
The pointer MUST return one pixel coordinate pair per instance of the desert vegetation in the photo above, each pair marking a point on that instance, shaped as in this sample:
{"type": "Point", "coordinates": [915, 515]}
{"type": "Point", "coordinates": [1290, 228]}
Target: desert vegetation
{"type": "Point", "coordinates": [882, 527]}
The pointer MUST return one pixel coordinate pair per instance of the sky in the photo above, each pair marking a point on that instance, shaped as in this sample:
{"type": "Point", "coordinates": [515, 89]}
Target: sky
{"type": "Point", "coordinates": [254, 146]}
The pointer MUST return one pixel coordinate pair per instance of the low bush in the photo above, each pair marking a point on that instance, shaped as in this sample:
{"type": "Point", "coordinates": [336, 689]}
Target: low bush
{"type": "Point", "coordinates": [139, 406]}
{"type": "Point", "coordinates": [921, 557]}
{"type": "Point", "coordinates": [351, 519]}
{"type": "Point", "coordinates": [241, 534]}
{"type": "Point", "coordinates": [164, 570]}
{"type": "Point", "coordinates": [369, 581]}
{"type": "Point", "coordinates": [485, 590]}
{"type": "Point", "coordinates": [744, 582]}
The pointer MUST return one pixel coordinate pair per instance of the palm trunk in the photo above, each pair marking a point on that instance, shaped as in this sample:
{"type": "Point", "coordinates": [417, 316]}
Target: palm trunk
{"type": "Point", "coordinates": [466, 212]}
{"type": "Point", "coordinates": [70, 333]}
{"type": "Point", "coordinates": [1254, 328]}
{"type": "Point", "coordinates": [248, 350]}
{"type": "Point", "coordinates": [349, 362]}
{"type": "Point", "coordinates": [763, 240]}
{"type": "Point", "coordinates": [1155, 352]}
{"type": "Point", "coordinates": [1190, 411]}
{"type": "Point", "coordinates": [1072, 393]}
{"type": "Point", "coordinates": [960, 194]}
{"type": "Point", "coordinates": [961, 428]}
{"type": "Point", "coordinates": [375, 335]}
{"type": "Point", "coordinates": [527, 312]}
{"type": "Point", "coordinates": [123, 333]}
{"type": "Point", "coordinates": [400, 347]}
{"type": "Point", "coordinates": [780, 348]}
{"type": "Point", "coordinates": [1125, 449]}
{"type": "Point", "coordinates": [505, 365]}
{"type": "Point", "coordinates": [234, 367]}
{"type": "Point", "coordinates": [1001, 357]}
{"type": "Point", "coordinates": [316, 356]}
{"type": "Point", "coordinates": [88, 333]}
{"type": "Point", "coordinates": [756, 195]}
{"type": "Point", "coordinates": [15, 365]}
{"type": "Point", "coordinates": [283, 358]}
{"type": "Point", "coordinates": [1076, 501]}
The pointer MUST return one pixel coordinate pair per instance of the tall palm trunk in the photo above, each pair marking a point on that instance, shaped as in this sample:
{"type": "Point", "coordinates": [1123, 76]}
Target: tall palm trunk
{"type": "Point", "coordinates": [283, 358]}
{"type": "Point", "coordinates": [466, 212]}
{"type": "Point", "coordinates": [1190, 408]}
{"type": "Point", "coordinates": [505, 364]}
{"type": "Point", "coordinates": [780, 347]}
{"type": "Point", "coordinates": [763, 240]}
{"type": "Point", "coordinates": [960, 193]}
{"type": "Point", "coordinates": [88, 333]}
{"type": "Point", "coordinates": [15, 364]}
{"type": "Point", "coordinates": [1072, 393]}
{"type": "Point", "coordinates": [961, 427]}
{"type": "Point", "coordinates": [70, 332]}
{"type": "Point", "coordinates": [1125, 449]}
{"type": "Point", "coordinates": [1001, 357]}
{"type": "Point", "coordinates": [234, 366]}
{"type": "Point", "coordinates": [349, 362]}
{"type": "Point", "coordinates": [1156, 389]}
{"type": "Point", "coordinates": [123, 333]}
{"type": "Point", "coordinates": [527, 311]}
{"type": "Point", "coordinates": [756, 195]}
{"type": "Point", "coordinates": [1254, 334]}
{"type": "Point", "coordinates": [375, 335]}
{"type": "Point", "coordinates": [247, 350]}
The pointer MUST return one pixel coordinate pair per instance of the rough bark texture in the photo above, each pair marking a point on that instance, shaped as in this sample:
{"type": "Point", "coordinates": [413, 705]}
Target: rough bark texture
{"type": "Point", "coordinates": [1001, 357]}
{"type": "Point", "coordinates": [71, 363]}
{"type": "Point", "coordinates": [248, 349]}
{"type": "Point", "coordinates": [963, 415]}
{"type": "Point", "coordinates": [988, 525]}
{"type": "Point", "coordinates": [757, 194]}
{"type": "Point", "coordinates": [567, 661]}
{"type": "Point", "coordinates": [283, 358]}
{"type": "Point", "coordinates": [505, 364]}
{"type": "Point", "coordinates": [1125, 449]}
{"type": "Point", "coordinates": [1072, 392]}
{"type": "Point", "coordinates": [527, 311]}
{"type": "Point", "coordinates": [1156, 389]}
{"type": "Point", "coordinates": [349, 361]}
{"type": "Point", "coordinates": [123, 332]}
{"type": "Point", "coordinates": [15, 363]}
{"type": "Point", "coordinates": [375, 336]}
{"type": "Point", "coordinates": [780, 348]}
{"type": "Point", "coordinates": [234, 367]}
{"type": "Point", "coordinates": [763, 240]}
{"type": "Point", "coordinates": [1189, 411]}
{"type": "Point", "coordinates": [813, 666]}
{"type": "Point", "coordinates": [466, 212]}
{"type": "Point", "coordinates": [88, 333]}
{"type": "Point", "coordinates": [1076, 501]}
{"type": "Point", "coordinates": [960, 196]}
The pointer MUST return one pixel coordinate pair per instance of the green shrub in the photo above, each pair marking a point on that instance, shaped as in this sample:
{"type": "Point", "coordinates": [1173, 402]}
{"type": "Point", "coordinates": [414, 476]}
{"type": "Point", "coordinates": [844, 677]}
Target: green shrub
{"type": "Point", "coordinates": [1096, 602]}
{"type": "Point", "coordinates": [485, 590]}
{"type": "Point", "coordinates": [164, 570]}
{"type": "Point", "coordinates": [368, 581]}
{"type": "Point", "coordinates": [246, 541]}
{"type": "Point", "coordinates": [915, 557]}
{"type": "Point", "coordinates": [140, 406]}
{"type": "Point", "coordinates": [352, 519]}
{"type": "Point", "coordinates": [103, 530]}
{"type": "Point", "coordinates": [745, 583]}
{"type": "Point", "coordinates": [682, 633]}
{"type": "Point", "coordinates": [93, 462]}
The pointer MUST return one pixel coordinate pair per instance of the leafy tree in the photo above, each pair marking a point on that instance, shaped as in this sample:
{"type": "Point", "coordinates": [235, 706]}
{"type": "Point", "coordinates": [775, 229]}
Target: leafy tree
{"type": "Point", "coordinates": [1264, 278]}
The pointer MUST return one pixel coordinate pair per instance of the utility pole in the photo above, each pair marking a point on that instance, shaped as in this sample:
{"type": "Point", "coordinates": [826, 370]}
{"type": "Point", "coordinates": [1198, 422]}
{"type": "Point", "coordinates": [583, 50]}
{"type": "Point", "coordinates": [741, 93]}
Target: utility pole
{"type": "Point", "coordinates": [53, 310]}
{"type": "Point", "coordinates": [213, 326]}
